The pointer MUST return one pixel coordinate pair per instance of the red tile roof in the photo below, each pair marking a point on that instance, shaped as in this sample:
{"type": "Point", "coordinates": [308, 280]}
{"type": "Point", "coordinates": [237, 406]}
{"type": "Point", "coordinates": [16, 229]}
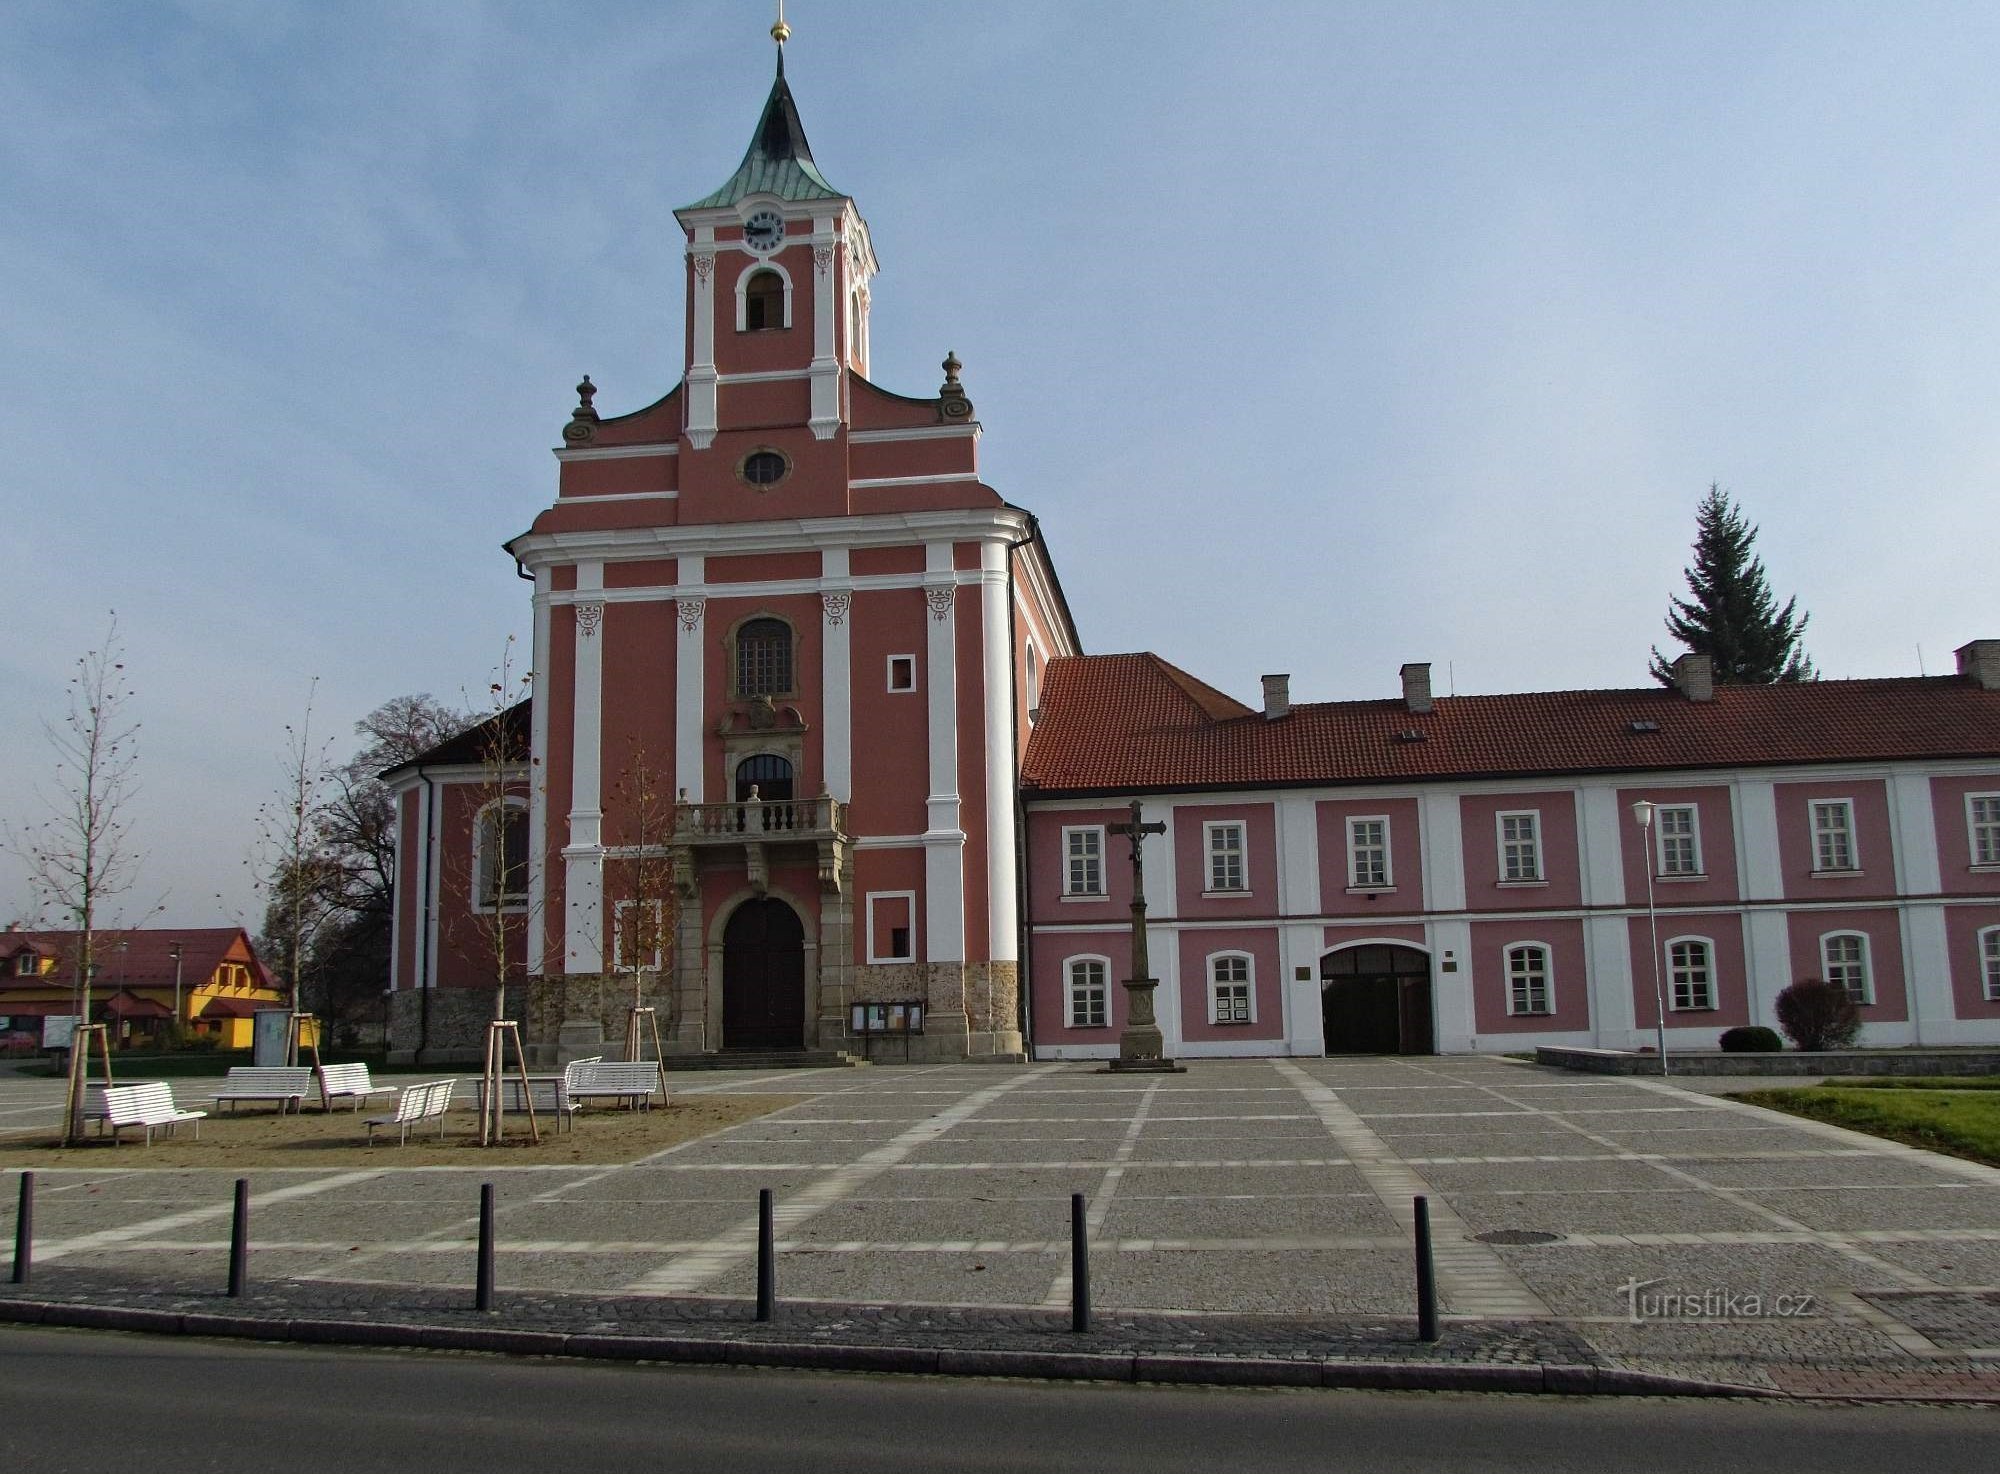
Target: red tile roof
{"type": "Point", "coordinates": [1110, 723]}
{"type": "Point", "coordinates": [140, 959]}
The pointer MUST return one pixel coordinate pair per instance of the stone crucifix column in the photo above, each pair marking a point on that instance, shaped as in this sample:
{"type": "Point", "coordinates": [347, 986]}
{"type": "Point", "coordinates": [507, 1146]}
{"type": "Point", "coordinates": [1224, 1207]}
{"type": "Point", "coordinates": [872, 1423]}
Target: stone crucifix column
{"type": "Point", "coordinates": [1141, 1048]}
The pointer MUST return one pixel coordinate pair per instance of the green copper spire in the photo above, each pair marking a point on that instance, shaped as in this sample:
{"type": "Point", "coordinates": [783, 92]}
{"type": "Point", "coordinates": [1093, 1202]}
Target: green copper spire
{"type": "Point", "coordinates": [780, 161]}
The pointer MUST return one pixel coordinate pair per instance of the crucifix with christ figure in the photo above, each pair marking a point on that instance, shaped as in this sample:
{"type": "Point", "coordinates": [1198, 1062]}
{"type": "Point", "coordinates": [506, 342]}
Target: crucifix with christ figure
{"type": "Point", "coordinates": [1140, 1046]}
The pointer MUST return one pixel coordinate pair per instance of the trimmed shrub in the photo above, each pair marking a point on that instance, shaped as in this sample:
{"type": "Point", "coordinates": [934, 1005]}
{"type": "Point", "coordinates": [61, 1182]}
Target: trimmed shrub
{"type": "Point", "coordinates": [1816, 1014]}
{"type": "Point", "coordinates": [1751, 1039]}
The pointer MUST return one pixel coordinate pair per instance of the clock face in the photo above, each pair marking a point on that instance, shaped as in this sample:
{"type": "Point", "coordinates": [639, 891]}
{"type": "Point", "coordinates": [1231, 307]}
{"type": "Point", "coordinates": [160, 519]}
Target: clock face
{"type": "Point", "coordinates": [764, 232]}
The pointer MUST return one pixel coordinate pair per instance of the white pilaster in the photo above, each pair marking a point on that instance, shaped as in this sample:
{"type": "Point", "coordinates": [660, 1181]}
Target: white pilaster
{"type": "Point", "coordinates": [996, 635]}
{"type": "Point", "coordinates": [836, 674]}
{"type": "Point", "coordinates": [538, 788]}
{"type": "Point", "coordinates": [1299, 943]}
{"type": "Point", "coordinates": [1163, 944]}
{"type": "Point", "coordinates": [701, 418]}
{"type": "Point", "coordinates": [1760, 871]}
{"type": "Point", "coordinates": [1767, 948]}
{"type": "Point", "coordinates": [1451, 943]}
{"type": "Point", "coordinates": [429, 821]}
{"type": "Point", "coordinates": [1607, 958]}
{"type": "Point", "coordinates": [944, 840]}
{"type": "Point", "coordinates": [826, 361]}
{"type": "Point", "coordinates": [1444, 852]}
{"type": "Point", "coordinates": [690, 623]}
{"type": "Point", "coordinates": [583, 856]}
{"type": "Point", "coordinates": [1926, 963]}
{"type": "Point", "coordinates": [1599, 822]}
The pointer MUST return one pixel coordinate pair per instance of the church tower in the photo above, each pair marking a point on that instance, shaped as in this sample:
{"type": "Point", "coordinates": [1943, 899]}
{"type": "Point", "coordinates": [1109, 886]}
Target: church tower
{"type": "Point", "coordinates": [781, 598]}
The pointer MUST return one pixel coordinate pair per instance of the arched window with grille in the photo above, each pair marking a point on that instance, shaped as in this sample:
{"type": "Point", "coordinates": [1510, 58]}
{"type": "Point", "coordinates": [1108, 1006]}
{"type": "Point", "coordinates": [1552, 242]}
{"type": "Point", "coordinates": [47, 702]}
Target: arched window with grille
{"type": "Point", "coordinates": [500, 855]}
{"type": "Point", "coordinates": [768, 773]}
{"type": "Point", "coordinates": [1528, 985]}
{"type": "Point", "coordinates": [764, 658]}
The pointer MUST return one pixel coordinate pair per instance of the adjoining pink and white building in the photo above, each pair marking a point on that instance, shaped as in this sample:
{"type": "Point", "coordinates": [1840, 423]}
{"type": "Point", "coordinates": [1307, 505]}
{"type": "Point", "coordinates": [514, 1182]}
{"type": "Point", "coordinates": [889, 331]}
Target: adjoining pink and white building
{"type": "Point", "coordinates": [782, 594]}
{"type": "Point", "coordinates": [1465, 873]}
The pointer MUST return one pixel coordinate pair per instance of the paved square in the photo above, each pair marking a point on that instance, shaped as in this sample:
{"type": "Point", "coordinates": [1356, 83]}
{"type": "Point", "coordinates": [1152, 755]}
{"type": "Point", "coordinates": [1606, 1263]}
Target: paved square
{"type": "Point", "coordinates": [1253, 1186]}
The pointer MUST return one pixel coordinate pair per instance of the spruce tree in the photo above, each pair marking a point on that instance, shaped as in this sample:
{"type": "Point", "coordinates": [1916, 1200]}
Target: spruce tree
{"type": "Point", "coordinates": [1731, 614]}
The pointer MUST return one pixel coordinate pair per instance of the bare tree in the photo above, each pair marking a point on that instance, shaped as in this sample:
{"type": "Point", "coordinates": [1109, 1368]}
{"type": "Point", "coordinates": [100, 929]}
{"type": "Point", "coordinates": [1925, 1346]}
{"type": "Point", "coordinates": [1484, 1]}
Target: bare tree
{"type": "Point", "coordinates": [295, 879]}
{"type": "Point", "coordinates": [81, 856]}
{"type": "Point", "coordinates": [642, 904]}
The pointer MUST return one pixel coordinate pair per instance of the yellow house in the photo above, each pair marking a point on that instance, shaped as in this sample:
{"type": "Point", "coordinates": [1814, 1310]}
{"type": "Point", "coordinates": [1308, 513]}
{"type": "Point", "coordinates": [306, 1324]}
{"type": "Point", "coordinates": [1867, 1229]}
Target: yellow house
{"type": "Point", "coordinates": [208, 977]}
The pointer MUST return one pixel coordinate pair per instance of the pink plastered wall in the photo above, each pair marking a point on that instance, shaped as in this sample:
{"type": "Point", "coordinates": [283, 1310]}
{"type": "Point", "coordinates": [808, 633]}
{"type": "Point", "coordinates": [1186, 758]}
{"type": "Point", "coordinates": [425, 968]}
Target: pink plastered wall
{"type": "Point", "coordinates": [1724, 933]}
{"type": "Point", "coordinates": [1569, 987]}
{"type": "Point", "coordinates": [1876, 877]}
{"type": "Point", "coordinates": [1479, 820]}
{"type": "Point", "coordinates": [1406, 858]}
{"type": "Point", "coordinates": [1267, 983]}
{"type": "Point", "coordinates": [1954, 834]}
{"type": "Point", "coordinates": [1885, 955]}
{"type": "Point", "coordinates": [1260, 835]}
{"type": "Point", "coordinates": [1963, 926]}
{"type": "Point", "coordinates": [1717, 884]}
{"type": "Point", "coordinates": [1050, 950]}
{"type": "Point", "coordinates": [1047, 867]}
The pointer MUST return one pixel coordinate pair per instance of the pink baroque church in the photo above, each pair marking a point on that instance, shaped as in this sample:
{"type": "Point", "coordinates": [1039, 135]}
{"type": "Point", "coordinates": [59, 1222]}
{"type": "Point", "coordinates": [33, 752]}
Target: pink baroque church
{"type": "Point", "coordinates": [783, 595]}
{"type": "Point", "coordinates": [793, 658]}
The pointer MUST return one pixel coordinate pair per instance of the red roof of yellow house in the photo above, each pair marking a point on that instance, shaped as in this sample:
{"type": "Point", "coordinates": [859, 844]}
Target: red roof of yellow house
{"type": "Point", "coordinates": [142, 957]}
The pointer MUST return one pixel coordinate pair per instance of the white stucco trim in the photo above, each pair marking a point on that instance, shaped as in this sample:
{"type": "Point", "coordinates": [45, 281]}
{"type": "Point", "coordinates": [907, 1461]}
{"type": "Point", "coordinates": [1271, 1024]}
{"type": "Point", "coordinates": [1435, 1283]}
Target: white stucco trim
{"type": "Point", "coordinates": [837, 676]}
{"type": "Point", "coordinates": [689, 652]}
{"type": "Point", "coordinates": [944, 839]}
{"type": "Point", "coordinates": [583, 856]}
{"type": "Point", "coordinates": [538, 794]}
{"type": "Point", "coordinates": [568, 453]}
{"type": "Point", "coordinates": [997, 694]}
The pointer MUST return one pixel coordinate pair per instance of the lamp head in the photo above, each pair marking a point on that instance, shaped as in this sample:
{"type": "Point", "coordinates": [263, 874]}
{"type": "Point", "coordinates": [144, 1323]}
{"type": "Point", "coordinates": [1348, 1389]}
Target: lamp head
{"type": "Point", "coordinates": [1642, 810]}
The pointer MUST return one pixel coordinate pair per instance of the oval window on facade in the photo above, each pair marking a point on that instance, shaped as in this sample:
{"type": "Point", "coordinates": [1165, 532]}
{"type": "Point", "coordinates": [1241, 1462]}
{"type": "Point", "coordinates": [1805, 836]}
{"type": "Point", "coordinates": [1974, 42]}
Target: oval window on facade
{"type": "Point", "coordinates": [764, 468]}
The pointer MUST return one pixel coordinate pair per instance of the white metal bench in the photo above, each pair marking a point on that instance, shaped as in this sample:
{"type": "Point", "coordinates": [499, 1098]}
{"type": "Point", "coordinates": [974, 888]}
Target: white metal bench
{"type": "Point", "coordinates": [150, 1106]}
{"type": "Point", "coordinates": [609, 1079]}
{"type": "Point", "coordinates": [349, 1082]}
{"type": "Point", "coordinates": [417, 1104]}
{"type": "Point", "coordinates": [284, 1084]}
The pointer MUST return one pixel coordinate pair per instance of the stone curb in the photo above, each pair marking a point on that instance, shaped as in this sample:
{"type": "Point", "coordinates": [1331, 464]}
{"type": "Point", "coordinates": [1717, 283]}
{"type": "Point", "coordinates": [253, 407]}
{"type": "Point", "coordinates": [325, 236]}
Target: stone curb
{"type": "Point", "coordinates": [1087, 1366]}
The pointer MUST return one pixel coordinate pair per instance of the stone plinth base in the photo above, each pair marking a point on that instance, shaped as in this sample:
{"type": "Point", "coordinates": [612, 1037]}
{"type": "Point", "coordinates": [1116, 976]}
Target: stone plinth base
{"type": "Point", "coordinates": [1143, 1067]}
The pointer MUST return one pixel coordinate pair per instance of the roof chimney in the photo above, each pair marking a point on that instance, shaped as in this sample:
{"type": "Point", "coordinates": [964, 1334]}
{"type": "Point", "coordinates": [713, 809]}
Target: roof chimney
{"type": "Point", "coordinates": [1277, 697]}
{"type": "Point", "coordinates": [1417, 686]}
{"type": "Point", "coordinates": [1979, 662]}
{"type": "Point", "coordinates": [1694, 676]}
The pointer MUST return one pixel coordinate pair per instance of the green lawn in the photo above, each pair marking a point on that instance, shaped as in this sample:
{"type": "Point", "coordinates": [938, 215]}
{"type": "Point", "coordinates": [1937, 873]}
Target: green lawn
{"type": "Point", "coordinates": [1954, 1119]}
{"type": "Point", "coordinates": [1916, 1082]}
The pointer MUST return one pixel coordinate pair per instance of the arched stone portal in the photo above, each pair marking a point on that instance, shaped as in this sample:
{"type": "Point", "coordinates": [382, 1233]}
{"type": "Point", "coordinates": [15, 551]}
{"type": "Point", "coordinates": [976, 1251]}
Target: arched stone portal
{"type": "Point", "coordinates": [764, 977]}
{"type": "Point", "coordinates": [1376, 999]}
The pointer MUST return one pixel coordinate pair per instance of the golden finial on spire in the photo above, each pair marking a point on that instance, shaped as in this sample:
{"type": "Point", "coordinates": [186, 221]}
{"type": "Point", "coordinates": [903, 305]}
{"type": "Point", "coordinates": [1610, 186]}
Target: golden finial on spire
{"type": "Point", "coordinates": [780, 32]}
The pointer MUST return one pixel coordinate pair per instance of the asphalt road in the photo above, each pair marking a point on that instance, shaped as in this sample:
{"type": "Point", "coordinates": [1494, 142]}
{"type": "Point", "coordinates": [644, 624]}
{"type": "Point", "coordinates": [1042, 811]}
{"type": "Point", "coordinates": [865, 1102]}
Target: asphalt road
{"type": "Point", "coordinates": [89, 1402]}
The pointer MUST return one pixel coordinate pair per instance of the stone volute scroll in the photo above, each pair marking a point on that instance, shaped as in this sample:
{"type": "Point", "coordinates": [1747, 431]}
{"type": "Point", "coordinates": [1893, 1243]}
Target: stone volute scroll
{"type": "Point", "coordinates": [953, 406]}
{"type": "Point", "coordinates": [583, 420]}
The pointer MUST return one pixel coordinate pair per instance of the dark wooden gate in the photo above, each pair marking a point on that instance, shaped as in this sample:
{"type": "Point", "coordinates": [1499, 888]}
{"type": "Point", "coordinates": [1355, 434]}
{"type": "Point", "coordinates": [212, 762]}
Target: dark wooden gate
{"type": "Point", "coordinates": [764, 977]}
{"type": "Point", "coordinates": [1377, 1000]}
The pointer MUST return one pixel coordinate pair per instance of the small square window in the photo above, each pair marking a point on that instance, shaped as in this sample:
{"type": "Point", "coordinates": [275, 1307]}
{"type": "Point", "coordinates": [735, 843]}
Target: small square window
{"type": "Point", "coordinates": [1833, 835]}
{"type": "Point", "coordinates": [1368, 854]}
{"type": "Point", "coordinates": [902, 672]}
{"type": "Point", "coordinates": [1521, 846]}
{"type": "Point", "coordinates": [1678, 838]}
{"type": "Point", "coordinates": [899, 941]}
{"type": "Point", "coordinates": [1226, 870]}
{"type": "Point", "coordinates": [1983, 813]}
{"type": "Point", "coordinates": [1083, 855]}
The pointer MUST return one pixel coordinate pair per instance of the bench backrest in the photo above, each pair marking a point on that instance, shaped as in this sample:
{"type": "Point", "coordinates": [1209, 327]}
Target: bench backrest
{"type": "Point", "coordinates": [613, 1074]}
{"type": "Point", "coordinates": [420, 1102]}
{"type": "Point", "coordinates": [268, 1079]}
{"type": "Point", "coordinates": [337, 1078]}
{"type": "Point", "coordinates": [139, 1105]}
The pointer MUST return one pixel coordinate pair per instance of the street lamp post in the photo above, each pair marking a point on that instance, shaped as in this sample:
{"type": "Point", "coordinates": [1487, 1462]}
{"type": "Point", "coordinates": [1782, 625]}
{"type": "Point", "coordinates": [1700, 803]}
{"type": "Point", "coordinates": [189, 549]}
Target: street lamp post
{"type": "Point", "coordinates": [174, 951]}
{"type": "Point", "coordinates": [1643, 812]}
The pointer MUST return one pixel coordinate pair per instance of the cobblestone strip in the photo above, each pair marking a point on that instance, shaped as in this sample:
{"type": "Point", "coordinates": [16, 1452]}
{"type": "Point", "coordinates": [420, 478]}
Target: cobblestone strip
{"type": "Point", "coordinates": [690, 1272]}
{"type": "Point", "coordinates": [1100, 1201]}
{"type": "Point", "coordinates": [1474, 1279]}
{"type": "Point", "coordinates": [111, 1238]}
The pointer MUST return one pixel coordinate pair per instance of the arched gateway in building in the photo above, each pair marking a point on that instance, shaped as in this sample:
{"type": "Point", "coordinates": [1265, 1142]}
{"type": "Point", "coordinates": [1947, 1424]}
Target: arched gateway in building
{"type": "Point", "coordinates": [1376, 999]}
{"type": "Point", "coordinates": [764, 977]}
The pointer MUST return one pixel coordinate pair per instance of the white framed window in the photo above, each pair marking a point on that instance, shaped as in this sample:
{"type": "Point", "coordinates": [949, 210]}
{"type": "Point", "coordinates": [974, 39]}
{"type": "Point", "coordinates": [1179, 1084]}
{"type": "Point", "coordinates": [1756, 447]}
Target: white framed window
{"type": "Point", "coordinates": [1982, 818]}
{"type": "Point", "coordinates": [1677, 840]}
{"type": "Point", "coordinates": [1690, 974]}
{"type": "Point", "coordinates": [1232, 994]}
{"type": "Point", "coordinates": [1833, 834]}
{"type": "Point", "coordinates": [638, 930]}
{"type": "Point", "coordinates": [892, 926]}
{"type": "Point", "coordinates": [1032, 662]}
{"type": "Point", "coordinates": [1843, 960]}
{"type": "Point", "coordinates": [25, 965]}
{"type": "Point", "coordinates": [1085, 981]}
{"type": "Point", "coordinates": [500, 855]}
{"type": "Point", "coordinates": [1223, 843]}
{"type": "Point", "coordinates": [1520, 846]}
{"type": "Point", "coordinates": [763, 297]}
{"type": "Point", "coordinates": [1989, 962]}
{"type": "Point", "coordinates": [1528, 990]}
{"type": "Point", "coordinates": [1368, 852]}
{"type": "Point", "coordinates": [902, 673]}
{"type": "Point", "coordinates": [1083, 860]}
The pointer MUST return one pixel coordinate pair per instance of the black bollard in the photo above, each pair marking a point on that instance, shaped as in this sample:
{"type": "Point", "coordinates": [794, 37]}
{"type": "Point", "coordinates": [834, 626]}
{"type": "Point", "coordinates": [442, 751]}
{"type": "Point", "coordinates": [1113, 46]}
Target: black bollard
{"type": "Point", "coordinates": [24, 1230]}
{"type": "Point", "coordinates": [483, 1295]}
{"type": "Point", "coordinates": [1427, 1295]}
{"type": "Point", "coordinates": [1079, 1266]}
{"type": "Point", "coordinates": [239, 1238]}
{"type": "Point", "coordinates": [767, 1269]}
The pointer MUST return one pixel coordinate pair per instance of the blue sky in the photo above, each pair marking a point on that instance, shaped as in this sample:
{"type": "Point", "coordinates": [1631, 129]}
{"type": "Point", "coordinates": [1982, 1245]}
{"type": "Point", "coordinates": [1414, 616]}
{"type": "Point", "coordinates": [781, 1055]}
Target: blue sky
{"type": "Point", "coordinates": [1321, 337]}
